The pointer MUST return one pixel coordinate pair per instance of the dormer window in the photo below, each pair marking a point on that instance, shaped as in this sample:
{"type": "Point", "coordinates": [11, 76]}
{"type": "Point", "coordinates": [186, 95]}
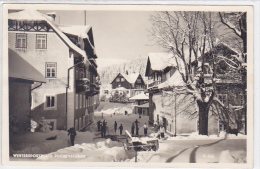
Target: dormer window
{"type": "Point", "coordinates": [21, 40]}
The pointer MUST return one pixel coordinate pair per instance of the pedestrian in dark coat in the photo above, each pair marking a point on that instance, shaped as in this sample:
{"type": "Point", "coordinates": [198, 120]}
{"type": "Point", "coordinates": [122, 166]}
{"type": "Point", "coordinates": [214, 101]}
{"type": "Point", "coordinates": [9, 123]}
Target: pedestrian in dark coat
{"type": "Point", "coordinates": [98, 124]}
{"type": "Point", "coordinates": [115, 126]}
{"type": "Point", "coordinates": [137, 130]}
{"type": "Point", "coordinates": [121, 129]}
{"type": "Point", "coordinates": [136, 123]}
{"type": "Point", "coordinates": [102, 130]}
{"type": "Point", "coordinates": [133, 128]}
{"type": "Point", "coordinates": [72, 133]}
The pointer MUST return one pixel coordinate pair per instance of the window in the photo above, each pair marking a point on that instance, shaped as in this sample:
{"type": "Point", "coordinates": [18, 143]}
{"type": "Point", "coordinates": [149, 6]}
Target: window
{"type": "Point", "coordinates": [106, 91]}
{"type": "Point", "coordinates": [86, 102]}
{"type": "Point", "coordinates": [80, 101]}
{"type": "Point", "coordinates": [138, 81]}
{"type": "Point", "coordinates": [223, 98]}
{"type": "Point", "coordinates": [118, 79]}
{"type": "Point", "coordinates": [51, 70]}
{"type": "Point", "coordinates": [77, 101]}
{"type": "Point", "coordinates": [122, 79]}
{"type": "Point", "coordinates": [50, 102]}
{"type": "Point", "coordinates": [41, 41]}
{"type": "Point", "coordinates": [21, 40]}
{"type": "Point", "coordinates": [83, 101]}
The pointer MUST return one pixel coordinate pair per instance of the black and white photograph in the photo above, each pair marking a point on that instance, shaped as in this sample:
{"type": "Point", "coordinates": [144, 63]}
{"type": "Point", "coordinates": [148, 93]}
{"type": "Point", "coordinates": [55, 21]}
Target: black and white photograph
{"type": "Point", "coordinates": [129, 85]}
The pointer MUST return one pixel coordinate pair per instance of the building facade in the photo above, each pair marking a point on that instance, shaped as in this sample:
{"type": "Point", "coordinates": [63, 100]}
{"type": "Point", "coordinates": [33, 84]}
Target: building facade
{"type": "Point", "coordinates": [178, 111]}
{"type": "Point", "coordinates": [22, 76]}
{"type": "Point", "coordinates": [69, 96]}
{"type": "Point", "coordinates": [126, 86]}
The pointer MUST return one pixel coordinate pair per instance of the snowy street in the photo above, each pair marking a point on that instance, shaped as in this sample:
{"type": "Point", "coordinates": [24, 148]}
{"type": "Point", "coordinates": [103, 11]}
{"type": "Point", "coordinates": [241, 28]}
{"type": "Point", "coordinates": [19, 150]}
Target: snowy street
{"type": "Point", "coordinates": [89, 146]}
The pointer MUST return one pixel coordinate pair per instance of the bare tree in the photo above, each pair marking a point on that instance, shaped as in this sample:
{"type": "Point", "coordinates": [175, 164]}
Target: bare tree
{"type": "Point", "coordinates": [189, 35]}
{"type": "Point", "coordinates": [237, 22]}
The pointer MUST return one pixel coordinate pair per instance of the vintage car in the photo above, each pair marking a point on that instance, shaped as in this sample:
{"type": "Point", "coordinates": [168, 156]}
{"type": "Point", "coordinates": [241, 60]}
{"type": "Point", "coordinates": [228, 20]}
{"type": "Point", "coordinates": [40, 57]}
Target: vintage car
{"type": "Point", "coordinates": [140, 143]}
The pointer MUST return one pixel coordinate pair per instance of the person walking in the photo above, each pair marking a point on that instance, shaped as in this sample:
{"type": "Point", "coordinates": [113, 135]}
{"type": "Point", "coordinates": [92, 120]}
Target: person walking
{"type": "Point", "coordinates": [121, 129]}
{"type": "Point", "coordinates": [133, 129]}
{"type": "Point", "coordinates": [136, 126]}
{"type": "Point", "coordinates": [136, 123]}
{"type": "Point", "coordinates": [98, 124]}
{"type": "Point", "coordinates": [137, 131]}
{"type": "Point", "coordinates": [102, 130]}
{"type": "Point", "coordinates": [115, 126]}
{"type": "Point", "coordinates": [145, 129]}
{"type": "Point", "coordinates": [72, 133]}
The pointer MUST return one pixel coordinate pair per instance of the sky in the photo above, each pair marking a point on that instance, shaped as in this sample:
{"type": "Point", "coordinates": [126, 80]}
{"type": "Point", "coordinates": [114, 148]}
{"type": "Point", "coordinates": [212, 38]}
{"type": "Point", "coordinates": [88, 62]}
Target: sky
{"type": "Point", "coordinates": [118, 35]}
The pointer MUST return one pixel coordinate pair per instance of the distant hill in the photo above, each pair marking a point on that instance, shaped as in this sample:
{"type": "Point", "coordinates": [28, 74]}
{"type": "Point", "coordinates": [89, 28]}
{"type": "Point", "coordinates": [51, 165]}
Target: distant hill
{"type": "Point", "coordinates": [136, 65]}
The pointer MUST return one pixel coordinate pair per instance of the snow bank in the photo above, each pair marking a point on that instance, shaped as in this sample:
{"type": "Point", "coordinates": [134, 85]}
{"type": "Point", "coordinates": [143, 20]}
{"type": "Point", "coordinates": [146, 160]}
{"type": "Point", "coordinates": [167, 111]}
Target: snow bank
{"type": "Point", "coordinates": [30, 143]}
{"type": "Point", "coordinates": [27, 143]}
{"type": "Point", "coordinates": [103, 151]}
{"type": "Point", "coordinates": [196, 136]}
{"type": "Point", "coordinates": [225, 157]}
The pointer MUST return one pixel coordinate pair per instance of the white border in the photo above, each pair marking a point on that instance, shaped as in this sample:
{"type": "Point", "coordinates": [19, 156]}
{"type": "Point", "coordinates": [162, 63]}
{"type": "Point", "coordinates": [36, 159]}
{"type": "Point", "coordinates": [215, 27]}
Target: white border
{"type": "Point", "coordinates": [256, 50]}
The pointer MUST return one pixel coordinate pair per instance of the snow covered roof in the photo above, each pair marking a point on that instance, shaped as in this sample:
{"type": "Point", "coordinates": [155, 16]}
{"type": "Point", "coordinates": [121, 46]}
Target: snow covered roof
{"type": "Point", "coordinates": [131, 78]}
{"type": "Point", "coordinates": [34, 15]}
{"type": "Point", "coordinates": [140, 96]}
{"type": "Point", "coordinates": [21, 69]}
{"type": "Point", "coordinates": [159, 61]}
{"type": "Point", "coordinates": [29, 15]}
{"type": "Point", "coordinates": [174, 81]}
{"type": "Point", "coordinates": [78, 30]}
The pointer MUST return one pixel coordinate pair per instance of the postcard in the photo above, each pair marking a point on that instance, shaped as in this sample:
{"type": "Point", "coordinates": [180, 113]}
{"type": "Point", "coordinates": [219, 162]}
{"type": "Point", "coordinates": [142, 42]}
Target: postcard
{"type": "Point", "coordinates": [127, 85]}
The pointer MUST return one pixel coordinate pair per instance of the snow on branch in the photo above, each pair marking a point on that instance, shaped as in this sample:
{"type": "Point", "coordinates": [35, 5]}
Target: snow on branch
{"type": "Point", "coordinates": [229, 25]}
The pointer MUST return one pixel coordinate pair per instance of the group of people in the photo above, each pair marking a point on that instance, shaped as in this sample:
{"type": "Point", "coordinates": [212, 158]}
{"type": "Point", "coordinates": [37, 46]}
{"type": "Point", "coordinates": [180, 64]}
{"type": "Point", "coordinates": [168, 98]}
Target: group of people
{"type": "Point", "coordinates": [120, 128]}
{"type": "Point", "coordinates": [135, 128]}
{"type": "Point", "coordinates": [102, 126]}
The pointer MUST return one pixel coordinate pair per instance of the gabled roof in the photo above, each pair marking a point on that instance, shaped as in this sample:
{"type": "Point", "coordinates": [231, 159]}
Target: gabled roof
{"type": "Point", "coordinates": [131, 78]}
{"type": "Point", "coordinates": [77, 30]}
{"type": "Point", "coordinates": [160, 61]}
{"type": "Point", "coordinates": [80, 31]}
{"type": "Point", "coordinates": [21, 69]}
{"type": "Point", "coordinates": [34, 15]}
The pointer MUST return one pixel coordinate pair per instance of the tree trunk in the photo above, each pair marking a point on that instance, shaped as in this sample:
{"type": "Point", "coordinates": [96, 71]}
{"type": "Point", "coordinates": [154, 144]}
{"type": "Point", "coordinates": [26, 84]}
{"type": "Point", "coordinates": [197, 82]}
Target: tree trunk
{"type": "Point", "coordinates": [203, 117]}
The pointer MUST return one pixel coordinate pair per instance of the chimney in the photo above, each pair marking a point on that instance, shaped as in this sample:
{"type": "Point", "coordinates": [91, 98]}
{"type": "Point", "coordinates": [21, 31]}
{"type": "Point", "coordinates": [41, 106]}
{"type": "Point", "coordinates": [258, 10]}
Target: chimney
{"type": "Point", "coordinates": [52, 14]}
{"type": "Point", "coordinates": [126, 72]}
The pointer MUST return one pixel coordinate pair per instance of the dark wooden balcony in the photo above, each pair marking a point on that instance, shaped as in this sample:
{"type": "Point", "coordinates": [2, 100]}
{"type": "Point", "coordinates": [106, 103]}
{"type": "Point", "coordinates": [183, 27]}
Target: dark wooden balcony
{"type": "Point", "coordinates": [82, 85]}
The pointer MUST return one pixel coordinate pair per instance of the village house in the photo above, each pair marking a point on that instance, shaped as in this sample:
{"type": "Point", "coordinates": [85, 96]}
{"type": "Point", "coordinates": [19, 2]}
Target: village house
{"type": "Point", "coordinates": [22, 76]}
{"type": "Point", "coordinates": [141, 104]}
{"type": "Point", "coordinates": [66, 57]}
{"type": "Point", "coordinates": [229, 85]}
{"type": "Point", "coordinates": [171, 106]}
{"type": "Point", "coordinates": [128, 84]}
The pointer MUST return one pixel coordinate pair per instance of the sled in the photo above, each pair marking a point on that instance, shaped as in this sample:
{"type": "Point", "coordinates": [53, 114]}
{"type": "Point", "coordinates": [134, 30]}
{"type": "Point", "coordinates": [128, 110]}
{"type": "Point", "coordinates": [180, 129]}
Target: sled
{"type": "Point", "coordinates": [141, 144]}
